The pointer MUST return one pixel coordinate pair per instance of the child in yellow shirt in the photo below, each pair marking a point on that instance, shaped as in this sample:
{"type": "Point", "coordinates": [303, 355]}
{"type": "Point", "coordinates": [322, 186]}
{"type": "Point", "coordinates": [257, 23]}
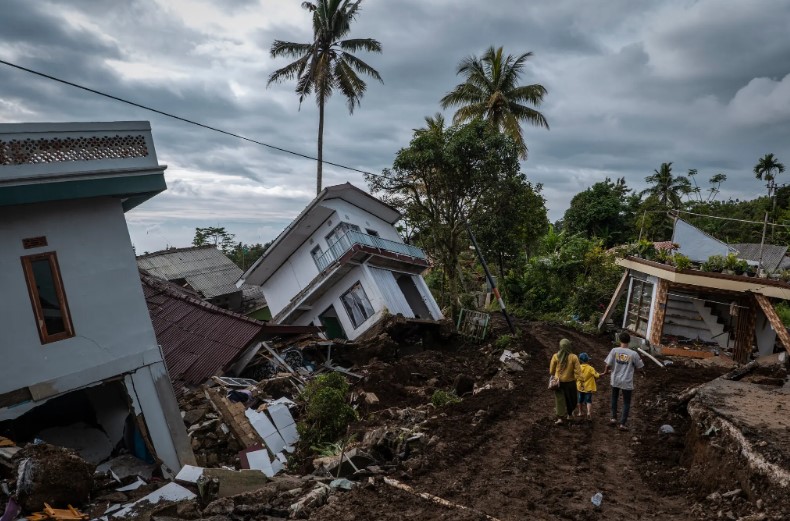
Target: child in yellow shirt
{"type": "Point", "coordinates": [585, 385]}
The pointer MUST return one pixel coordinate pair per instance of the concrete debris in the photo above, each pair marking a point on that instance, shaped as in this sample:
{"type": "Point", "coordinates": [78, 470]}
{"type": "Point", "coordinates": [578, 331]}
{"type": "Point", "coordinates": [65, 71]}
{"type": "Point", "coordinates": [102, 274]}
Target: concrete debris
{"type": "Point", "coordinates": [666, 429]}
{"type": "Point", "coordinates": [314, 499]}
{"type": "Point", "coordinates": [170, 493]}
{"type": "Point", "coordinates": [234, 482]}
{"type": "Point", "coordinates": [127, 465]}
{"type": "Point", "coordinates": [54, 475]}
{"type": "Point", "coordinates": [91, 444]}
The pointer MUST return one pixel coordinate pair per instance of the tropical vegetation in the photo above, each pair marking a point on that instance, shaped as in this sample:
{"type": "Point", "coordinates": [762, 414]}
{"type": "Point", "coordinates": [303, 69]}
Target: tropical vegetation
{"type": "Point", "coordinates": [327, 63]}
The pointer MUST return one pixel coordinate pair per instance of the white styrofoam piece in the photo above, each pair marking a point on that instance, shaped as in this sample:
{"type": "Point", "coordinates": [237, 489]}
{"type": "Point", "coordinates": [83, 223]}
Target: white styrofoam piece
{"type": "Point", "coordinates": [170, 492]}
{"type": "Point", "coordinates": [285, 423]}
{"type": "Point", "coordinates": [259, 460]}
{"type": "Point", "coordinates": [189, 474]}
{"type": "Point", "coordinates": [263, 426]}
{"type": "Point", "coordinates": [282, 401]}
{"type": "Point", "coordinates": [282, 457]}
{"type": "Point", "coordinates": [132, 486]}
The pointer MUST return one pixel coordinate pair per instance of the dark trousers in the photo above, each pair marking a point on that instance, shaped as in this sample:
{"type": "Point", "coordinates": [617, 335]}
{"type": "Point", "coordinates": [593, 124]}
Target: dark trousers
{"type": "Point", "coordinates": [626, 403]}
{"type": "Point", "coordinates": [565, 398]}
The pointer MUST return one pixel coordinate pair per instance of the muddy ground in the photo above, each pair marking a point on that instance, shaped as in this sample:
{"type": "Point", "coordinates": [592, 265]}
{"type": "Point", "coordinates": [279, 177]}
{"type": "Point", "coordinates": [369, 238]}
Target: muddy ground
{"type": "Point", "coordinates": [499, 454]}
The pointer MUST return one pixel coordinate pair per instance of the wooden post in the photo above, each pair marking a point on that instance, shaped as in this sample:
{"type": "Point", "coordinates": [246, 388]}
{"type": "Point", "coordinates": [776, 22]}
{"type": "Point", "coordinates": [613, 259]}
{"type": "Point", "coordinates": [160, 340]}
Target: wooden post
{"type": "Point", "coordinates": [744, 335]}
{"type": "Point", "coordinates": [618, 293]}
{"type": "Point", "coordinates": [659, 312]}
{"type": "Point", "coordinates": [773, 318]}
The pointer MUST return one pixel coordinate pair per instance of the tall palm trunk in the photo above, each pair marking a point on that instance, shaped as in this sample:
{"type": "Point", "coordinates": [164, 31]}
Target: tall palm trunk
{"type": "Point", "coordinates": [319, 167]}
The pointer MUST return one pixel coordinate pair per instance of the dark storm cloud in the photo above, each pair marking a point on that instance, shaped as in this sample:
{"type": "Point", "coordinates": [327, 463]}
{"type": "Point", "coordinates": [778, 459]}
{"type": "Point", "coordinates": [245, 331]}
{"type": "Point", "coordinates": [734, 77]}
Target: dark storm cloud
{"type": "Point", "coordinates": [631, 84]}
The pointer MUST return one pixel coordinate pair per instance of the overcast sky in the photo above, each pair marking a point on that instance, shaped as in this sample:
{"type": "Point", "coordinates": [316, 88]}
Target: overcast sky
{"type": "Point", "coordinates": [631, 84]}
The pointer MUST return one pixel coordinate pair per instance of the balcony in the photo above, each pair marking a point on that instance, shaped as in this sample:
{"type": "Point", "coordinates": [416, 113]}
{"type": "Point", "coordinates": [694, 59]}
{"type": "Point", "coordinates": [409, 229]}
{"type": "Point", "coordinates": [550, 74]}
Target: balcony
{"type": "Point", "coordinates": [354, 241]}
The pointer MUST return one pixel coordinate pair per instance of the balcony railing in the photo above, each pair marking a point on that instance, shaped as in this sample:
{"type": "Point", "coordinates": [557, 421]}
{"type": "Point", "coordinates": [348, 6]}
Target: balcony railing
{"type": "Point", "coordinates": [352, 238]}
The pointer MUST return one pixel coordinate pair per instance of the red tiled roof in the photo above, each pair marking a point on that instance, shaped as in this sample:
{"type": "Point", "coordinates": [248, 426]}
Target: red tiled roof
{"type": "Point", "coordinates": [665, 245]}
{"type": "Point", "coordinates": [199, 340]}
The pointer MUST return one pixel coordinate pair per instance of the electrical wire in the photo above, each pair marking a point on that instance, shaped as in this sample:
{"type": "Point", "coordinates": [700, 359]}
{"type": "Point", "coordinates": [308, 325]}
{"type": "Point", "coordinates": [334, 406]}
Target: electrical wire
{"type": "Point", "coordinates": [731, 219]}
{"type": "Point", "coordinates": [179, 118]}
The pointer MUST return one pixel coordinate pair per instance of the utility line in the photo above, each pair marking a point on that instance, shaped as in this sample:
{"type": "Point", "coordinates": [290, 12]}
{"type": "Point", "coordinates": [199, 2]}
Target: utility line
{"type": "Point", "coordinates": [179, 118]}
{"type": "Point", "coordinates": [731, 219]}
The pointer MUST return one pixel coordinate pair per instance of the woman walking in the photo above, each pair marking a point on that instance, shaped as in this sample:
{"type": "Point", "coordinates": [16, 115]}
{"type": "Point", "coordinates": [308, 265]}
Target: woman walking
{"type": "Point", "coordinates": [565, 366]}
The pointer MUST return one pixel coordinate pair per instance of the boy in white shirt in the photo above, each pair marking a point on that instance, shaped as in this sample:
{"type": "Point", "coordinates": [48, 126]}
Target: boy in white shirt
{"type": "Point", "coordinates": [622, 361]}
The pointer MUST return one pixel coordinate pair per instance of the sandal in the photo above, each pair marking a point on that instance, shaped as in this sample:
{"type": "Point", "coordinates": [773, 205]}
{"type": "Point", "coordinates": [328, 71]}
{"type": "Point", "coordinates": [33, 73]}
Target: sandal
{"type": "Point", "coordinates": [612, 421]}
{"type": "Point", "coordinates": [622, 427]}
{"type": "Point", "coordinates": [558, 422]}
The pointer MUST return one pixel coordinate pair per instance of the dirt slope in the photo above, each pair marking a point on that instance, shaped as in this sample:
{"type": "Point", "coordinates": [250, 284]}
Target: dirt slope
{"type": "Point", "coordinates": [499, 453]}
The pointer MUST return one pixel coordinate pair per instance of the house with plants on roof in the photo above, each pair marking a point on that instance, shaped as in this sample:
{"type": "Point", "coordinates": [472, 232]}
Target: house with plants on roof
{"type": "Point", "coordinates": [698, 296]}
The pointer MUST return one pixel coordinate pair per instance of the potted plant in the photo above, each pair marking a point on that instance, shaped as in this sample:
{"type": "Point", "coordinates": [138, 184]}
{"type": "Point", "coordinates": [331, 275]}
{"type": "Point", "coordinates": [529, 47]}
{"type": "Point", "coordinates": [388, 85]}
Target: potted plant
{"type": "Point", "coordinates": [681, 262]}
{"type": "Point", "coordinates": [715, 264]}
{"type": "Point", "coordinates": [663, 256]}
{"type": "Point", "coordinates": [730, 262]}
{"type": "Point", "coordinates": [751, 271]}
{"type": "Point", "coordinates": [740, 267]}
{"type": "Point", "coordinates": [645, 249]}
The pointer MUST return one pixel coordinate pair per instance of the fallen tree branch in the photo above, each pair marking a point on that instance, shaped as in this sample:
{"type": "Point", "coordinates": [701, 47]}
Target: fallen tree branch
{"type": "Point", "coordinates": [739, 372]}
{"type": "Point", "coordinates": [435, 499]}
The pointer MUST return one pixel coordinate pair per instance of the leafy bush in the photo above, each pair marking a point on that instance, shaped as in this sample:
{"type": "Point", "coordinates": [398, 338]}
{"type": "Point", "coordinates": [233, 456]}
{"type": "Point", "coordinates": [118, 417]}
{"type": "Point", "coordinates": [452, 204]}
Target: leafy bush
{"type": "Point", "coordinates": [441, 398]}
{"type": "Point", "coordinates": [715, 263]}
{"type": "Point", "coordinates": [681, 262]}
{"type": "Point", "coordinates": [662, 256]}
{"type": "Point", "coordinates": [730, 262]}
{"type": "Point", "coordinates": [327, 412]}
{"type": "Point", "coordinates": [504, 341]}
{"type": "Point", "coordinates": [783, 310]}
{"type": "Point", "coordinates": [574, 278]}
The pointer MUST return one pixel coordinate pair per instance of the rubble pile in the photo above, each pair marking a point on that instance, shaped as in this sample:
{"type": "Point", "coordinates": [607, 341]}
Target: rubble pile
{"type": "Point", "coordinates": [210, 436]}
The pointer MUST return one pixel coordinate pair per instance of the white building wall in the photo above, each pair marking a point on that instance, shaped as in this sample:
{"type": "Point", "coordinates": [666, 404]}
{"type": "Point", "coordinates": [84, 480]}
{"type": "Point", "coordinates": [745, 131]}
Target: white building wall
{"type": "Point", "coordinates": [766, 336]}
{"type": "Point", "coordinates": [113, 330]}
{"type": "Point", "coordinates": [349, 213]}
{"type": "Point", "coordinates": [300, 268]}
{"type": "Point", "coordinates": [102, 287]}
{"type": "Point", "coordinates": [332, 298]}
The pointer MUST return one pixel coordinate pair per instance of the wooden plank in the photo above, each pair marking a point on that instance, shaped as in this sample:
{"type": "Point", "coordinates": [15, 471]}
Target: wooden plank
{"type": "Point", "coordinates": [744, 334]}
{"type": "Point", "coordinates": [618, 294]}
{"type": "Point", "coordinates": [690, 353]}
{"type": "Point", "coordinates": [774, 319]}
{"type": "Point", "coordinates": [659, 312]}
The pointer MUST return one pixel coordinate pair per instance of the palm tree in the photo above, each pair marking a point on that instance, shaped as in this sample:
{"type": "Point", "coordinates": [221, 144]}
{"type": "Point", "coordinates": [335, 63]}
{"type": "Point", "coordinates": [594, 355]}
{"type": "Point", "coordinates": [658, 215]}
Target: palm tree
{"type": "Point", "coordinates": [766, 169]}
{"type": "Point", "coordinates": [491, 92]}
{"type": "Point", "coordinates": [327, 63]}
{"type": "Point", "coordinates": [667, 188]}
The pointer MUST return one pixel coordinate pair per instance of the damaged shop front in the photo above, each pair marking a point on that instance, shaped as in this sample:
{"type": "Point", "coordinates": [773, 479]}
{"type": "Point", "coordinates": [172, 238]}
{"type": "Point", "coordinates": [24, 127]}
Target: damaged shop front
{"type": "Point", "coordinates": [700, 314]}
{"type": "Point", "coordinates": [81, 363]}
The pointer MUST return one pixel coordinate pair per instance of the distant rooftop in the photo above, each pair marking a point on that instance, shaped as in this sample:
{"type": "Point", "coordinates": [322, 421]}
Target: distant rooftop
{"type": "Point", "coordinates": [42, 162]}
{"type": "Point", "coordinates": [205, 269]}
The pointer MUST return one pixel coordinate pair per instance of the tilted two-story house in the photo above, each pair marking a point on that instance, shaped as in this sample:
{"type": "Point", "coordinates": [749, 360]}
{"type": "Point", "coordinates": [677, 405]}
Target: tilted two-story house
{"type": "Point", "coordinates": [76, 339]}
{"type": "Point", "coordinates": [342, 264]}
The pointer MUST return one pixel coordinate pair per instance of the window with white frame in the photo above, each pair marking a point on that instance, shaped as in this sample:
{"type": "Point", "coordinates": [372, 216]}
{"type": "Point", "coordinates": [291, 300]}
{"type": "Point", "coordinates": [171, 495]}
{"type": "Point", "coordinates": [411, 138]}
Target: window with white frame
{"type": "Point", "coordinates": [357, 305]}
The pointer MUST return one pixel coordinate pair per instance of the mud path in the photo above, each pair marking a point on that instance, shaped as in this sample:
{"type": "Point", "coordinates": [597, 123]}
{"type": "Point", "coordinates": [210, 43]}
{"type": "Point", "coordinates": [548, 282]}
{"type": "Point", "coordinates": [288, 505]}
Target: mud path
{"type": "Point", "coordinates": [498, 452]}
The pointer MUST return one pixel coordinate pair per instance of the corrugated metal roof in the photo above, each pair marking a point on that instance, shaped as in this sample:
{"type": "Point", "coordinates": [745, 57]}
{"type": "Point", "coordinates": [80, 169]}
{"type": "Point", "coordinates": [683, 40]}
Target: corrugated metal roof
{"type": "Point", "coordinates": [206, 269]}
{"type": "Point", "coordinates": [199, 340]}
{"type": "Point", "coordinates": [773, 255]}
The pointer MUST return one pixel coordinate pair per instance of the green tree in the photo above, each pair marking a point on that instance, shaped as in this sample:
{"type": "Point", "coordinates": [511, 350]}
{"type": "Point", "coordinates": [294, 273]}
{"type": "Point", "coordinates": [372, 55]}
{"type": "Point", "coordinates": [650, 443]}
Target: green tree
{"type": "Point", "coordinates": [715, 184]}
{"type": "Point", "coordinates": [514, 220]}
{"type": "Point", "coordinates": [491, 92]}
{"type": "Point", "coordinates": [605, 210]}
{"type": "Point", "coordinates": [439, 182]}
{"type": "Point", "coordinates": [217, 236]}
{"type": "Point", "coordinates": [667, 188]}
{"type": "Point", "coordinates": [243, 255]}
{"type": "Point", "coordinates": [327, 63]}
{"type": "Point", "coordinates": [766, 169]}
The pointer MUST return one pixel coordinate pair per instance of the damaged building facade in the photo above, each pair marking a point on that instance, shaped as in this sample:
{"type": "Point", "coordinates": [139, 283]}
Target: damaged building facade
{"type": "Point", "coordinates": [82, 367]}
{"type": "Point", "coordinates": [704, 312]}
{"type": "Point", "coordinates": [342, 264]}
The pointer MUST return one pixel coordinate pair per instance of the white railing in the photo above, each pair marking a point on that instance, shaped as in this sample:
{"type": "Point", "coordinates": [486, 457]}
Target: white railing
{"type": "Point", "coordinates": [353, 237]}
